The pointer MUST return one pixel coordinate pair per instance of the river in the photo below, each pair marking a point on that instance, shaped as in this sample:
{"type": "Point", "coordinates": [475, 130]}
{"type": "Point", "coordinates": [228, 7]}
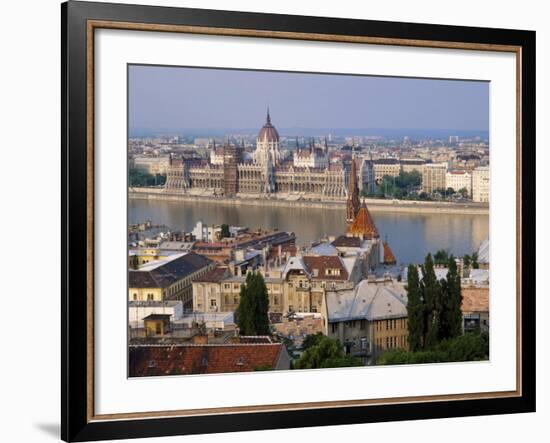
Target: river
{"type": "Point", "coordinates": [411, 236]}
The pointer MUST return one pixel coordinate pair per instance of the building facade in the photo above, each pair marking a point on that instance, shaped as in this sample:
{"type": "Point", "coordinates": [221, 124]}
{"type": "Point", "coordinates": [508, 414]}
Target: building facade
{"type": "Point", "coordinates": [369, 319]}
{"type": "Point", "coordinates": [228, 173]}
{"type": "Point", "coordinates": [434, 177]}
{"type": "Point", "coordinates": [481, 184]}
{"type": "Point", "coordinates": [168, 279]}
{"type": "Point", "coordinates": [458, 180]}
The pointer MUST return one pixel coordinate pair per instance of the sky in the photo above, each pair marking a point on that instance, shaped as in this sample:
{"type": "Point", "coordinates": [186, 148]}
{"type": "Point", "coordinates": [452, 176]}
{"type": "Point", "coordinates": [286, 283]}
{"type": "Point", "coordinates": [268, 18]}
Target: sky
{"type": "Point", "coordinates": [184, 99]}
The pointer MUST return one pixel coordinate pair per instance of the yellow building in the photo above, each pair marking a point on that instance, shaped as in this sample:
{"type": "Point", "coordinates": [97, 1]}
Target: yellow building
{"type": "Point", "coordinates": [156, 324]}
{"type": "Point", "coordinates": [168, 279]}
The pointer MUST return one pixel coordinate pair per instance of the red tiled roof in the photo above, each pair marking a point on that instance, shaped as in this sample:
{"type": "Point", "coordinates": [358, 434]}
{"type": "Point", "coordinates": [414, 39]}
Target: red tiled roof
{"type": "Point", "coordinates": [324, 262]}
{"type": "Point", "coordinates": [363, 225]}
{"type": "Point", "coordinates": [202, 359]}
{"type": "Point", "coordinates": [389, 258]}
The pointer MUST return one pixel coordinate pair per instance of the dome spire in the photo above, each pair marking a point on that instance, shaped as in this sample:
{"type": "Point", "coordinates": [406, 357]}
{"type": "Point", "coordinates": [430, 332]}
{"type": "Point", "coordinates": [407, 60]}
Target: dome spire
{"type": "Point", "coordinates": [268, 120]}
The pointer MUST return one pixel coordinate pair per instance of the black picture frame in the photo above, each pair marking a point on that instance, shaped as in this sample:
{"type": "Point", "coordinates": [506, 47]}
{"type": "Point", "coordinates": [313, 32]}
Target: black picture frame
{"type": "Point", "coordinates": [76, 424]}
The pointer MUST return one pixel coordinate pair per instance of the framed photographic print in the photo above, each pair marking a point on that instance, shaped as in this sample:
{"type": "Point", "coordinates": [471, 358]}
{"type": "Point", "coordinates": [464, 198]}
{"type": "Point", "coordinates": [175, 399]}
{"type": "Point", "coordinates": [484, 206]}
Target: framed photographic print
{"type": "Point", "coordinates": [277, 221]}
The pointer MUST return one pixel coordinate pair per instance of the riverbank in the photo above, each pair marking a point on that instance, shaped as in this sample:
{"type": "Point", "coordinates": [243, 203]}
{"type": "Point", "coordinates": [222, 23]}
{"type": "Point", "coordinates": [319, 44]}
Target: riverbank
{"type": "Point", "coordinates": [375, 205]}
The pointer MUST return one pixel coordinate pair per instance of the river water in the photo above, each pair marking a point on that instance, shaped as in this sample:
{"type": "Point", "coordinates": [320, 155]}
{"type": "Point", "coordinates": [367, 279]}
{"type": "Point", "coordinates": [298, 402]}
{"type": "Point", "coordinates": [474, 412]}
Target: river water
{"type": "Point", "coordinates": [411, 236]}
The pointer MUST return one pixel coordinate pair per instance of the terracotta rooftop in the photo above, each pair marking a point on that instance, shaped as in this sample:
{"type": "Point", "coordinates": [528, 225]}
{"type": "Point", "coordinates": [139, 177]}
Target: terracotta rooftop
{"type": "Point", "coordinates": [203, 359]}
{"type": "Point", "coordinates": [363, 225]}
{"type": "Point", "coordinates": [389, 258]}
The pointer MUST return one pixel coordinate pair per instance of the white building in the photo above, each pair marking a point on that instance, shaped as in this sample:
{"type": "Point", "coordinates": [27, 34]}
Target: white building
{"type": "Point", "coordinates": [203, 232]}
{"type": "Point", "coordinates": [480, 184]}
{"type": "Point", "coordinates": [216, 156]}
{"type": "Point", "coordinates": [137, 311]}
{"type": "Point", "coordinates": [459, 180]}
{"type": "Point", "coordinates": [152, 164]}
{"type": "Point", "coordinates": [310, 158]}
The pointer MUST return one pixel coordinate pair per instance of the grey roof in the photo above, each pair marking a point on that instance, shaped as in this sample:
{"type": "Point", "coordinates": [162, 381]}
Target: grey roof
{"type": "Point", "coordinates": [324, 249]}
{"type": "Point", "coordinates": [167, 273]}
{"type": "Point", "coordinates": [294, 264]}
{"type": "Point", "coordinates": [483, 252]}
{"type": "Point", "coordinates": [369, 300]}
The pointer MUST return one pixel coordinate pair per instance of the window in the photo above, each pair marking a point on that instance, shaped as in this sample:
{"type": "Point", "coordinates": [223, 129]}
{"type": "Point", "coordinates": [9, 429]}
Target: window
{"type": "Point", "coordinates": [213, 303]}
{"type": "Point", "coordinates": [275, 300]}
{"type": "Point", "coordinates": [135, 296]}
{"type": "Point", "coordinates": [150, 297]}
{"type": "Point", "coordinates": [334, 327]}
{"type": "Point", "coordinates": [363, 324]}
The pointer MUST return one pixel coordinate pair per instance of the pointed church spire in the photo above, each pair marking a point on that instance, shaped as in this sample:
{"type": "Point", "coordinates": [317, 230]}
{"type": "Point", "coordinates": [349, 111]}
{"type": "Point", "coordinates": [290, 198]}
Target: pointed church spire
{"type": "Point", "coordinates": [268, 119]}
{"type": "Point", "coordinates": [353, 204]}
{"type": "Point", "coordinates": [297, 144]}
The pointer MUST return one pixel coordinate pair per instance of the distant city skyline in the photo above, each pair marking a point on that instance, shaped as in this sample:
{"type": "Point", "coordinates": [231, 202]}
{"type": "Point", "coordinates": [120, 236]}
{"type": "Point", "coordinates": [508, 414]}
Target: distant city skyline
{"type": "Point", "coordinates": [204, 99]}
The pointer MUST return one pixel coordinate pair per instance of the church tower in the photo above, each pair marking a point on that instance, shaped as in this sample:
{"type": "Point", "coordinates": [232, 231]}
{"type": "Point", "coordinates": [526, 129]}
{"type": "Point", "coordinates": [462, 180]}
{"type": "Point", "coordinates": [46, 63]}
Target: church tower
{"type": "Point", "coordinates": [353, 203]}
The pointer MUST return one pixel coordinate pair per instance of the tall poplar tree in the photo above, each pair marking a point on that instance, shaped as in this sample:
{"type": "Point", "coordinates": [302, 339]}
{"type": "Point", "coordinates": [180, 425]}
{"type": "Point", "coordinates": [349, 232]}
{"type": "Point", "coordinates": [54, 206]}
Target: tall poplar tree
{"type": "Point", "coordinates": [261, 316]}
{"type": "Point", "coordinates": [252, 313]}
{"type": "Point", "coordinates": [431, 290]}
{"type": "Point", "coordinates": [246, 309]}
{"type": "Point", "coordinates": [453, 296]}
{"type": "Point", "coordinates": [415, 309]}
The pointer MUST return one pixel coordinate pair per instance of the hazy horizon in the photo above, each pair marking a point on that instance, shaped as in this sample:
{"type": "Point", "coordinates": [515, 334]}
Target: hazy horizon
{"type": "Point", "coordinates": [176, 99]}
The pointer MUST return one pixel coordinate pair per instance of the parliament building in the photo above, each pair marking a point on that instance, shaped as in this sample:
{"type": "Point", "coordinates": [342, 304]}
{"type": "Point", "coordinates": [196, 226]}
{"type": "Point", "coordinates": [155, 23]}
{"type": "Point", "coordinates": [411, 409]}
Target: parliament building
{"type": "Point", "coordinates": [268, 171]}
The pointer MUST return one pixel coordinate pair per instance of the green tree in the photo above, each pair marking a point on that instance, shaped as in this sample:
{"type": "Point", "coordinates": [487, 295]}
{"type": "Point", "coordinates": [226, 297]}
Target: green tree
{"type": "Point", "coordinates": [450, 324]}
{"type": "Point", "coordinates": [138, 177]}
{"type": "Point", "coordinates": [431, 290]}
{"type": "Point", "coordinates": [475, 264]}
{"type": "Point", "coordinates": [252, 313]}
{"type": "Point", "coordinates": [463, 192]}
{"type": "Point", "coordinates": [415, 309]}
{"type": "Point", "coordinates": [472, 346]}
{"type": "Point", "coordinates": [225, 231]}
{"type": "Point", "coordinates": [441, 257]}
{"type": "Point", "coordinates": [325, 353]}
{"type": "Point", "coordinates": [311, 340]}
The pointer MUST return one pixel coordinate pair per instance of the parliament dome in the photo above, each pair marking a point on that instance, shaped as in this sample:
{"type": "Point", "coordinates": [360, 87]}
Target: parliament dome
{"type": "Point", "coordinates": [268, 131]}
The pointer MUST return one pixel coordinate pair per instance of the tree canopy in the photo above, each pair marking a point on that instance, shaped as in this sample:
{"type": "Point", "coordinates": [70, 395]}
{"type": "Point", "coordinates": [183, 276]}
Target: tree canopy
{"type": "Point", "coordinates": [472, 346]}
{"type": "Point", "coordinates": [138, 177]}
{"type": "Point", "coordinates": [252, 313]}
{"type": "Point", "coordinates": [324, 352]}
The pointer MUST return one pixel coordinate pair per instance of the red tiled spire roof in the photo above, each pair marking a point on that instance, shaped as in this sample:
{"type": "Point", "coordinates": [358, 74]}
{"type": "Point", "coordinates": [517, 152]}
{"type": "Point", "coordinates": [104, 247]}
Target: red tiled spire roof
{"type": "Point", "coordinates": [363, 225]}
{"type": "Point", "coordinates": [389, 258]}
